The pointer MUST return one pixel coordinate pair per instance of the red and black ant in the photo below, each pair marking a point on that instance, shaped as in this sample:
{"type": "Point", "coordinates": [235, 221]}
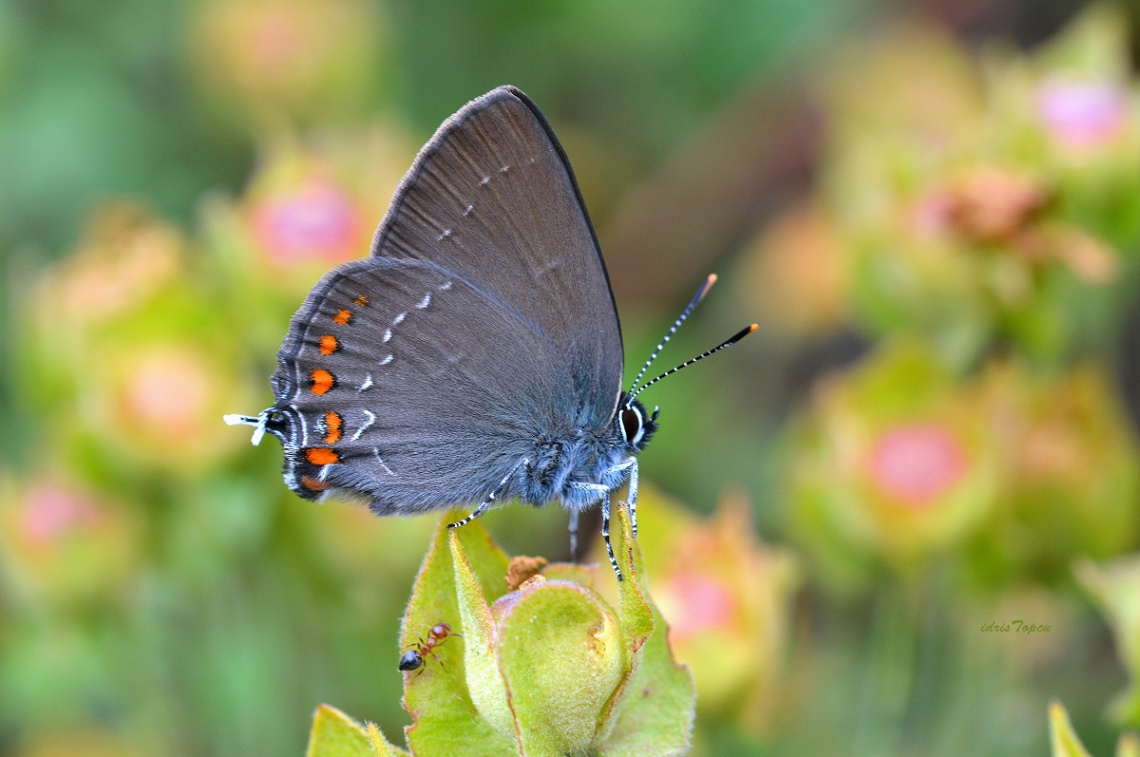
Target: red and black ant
{"type": "Point", "coordinates": [414, 657]}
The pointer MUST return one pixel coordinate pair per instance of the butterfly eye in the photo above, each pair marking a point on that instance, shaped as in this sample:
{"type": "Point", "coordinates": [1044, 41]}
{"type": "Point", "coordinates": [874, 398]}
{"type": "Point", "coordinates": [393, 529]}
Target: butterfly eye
{"type": "Point", "coordinates": [632, 426]}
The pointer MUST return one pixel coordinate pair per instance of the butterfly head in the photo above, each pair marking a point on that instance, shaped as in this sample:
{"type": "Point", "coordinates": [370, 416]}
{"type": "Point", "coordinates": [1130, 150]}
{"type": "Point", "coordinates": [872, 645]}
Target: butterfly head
{"type": "Point", "coordinates": [634, 424]}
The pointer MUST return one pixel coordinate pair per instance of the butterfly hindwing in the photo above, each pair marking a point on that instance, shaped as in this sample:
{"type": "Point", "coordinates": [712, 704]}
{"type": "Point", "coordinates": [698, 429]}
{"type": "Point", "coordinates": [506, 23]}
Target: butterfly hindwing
{"type": "Point", "coordinates": [397, 390]}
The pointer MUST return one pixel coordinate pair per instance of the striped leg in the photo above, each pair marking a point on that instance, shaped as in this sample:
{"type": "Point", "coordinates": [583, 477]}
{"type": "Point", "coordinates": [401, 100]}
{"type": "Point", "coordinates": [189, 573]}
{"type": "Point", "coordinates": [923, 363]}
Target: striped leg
{"type": "Point", "coordinates": [604, 494]}
{"type": "Point", "coordinates": [606, 534]}
{"type": "Point", "coordinates": [629, 464]}
{"type": "Point", "coordinates": [490, 497]}
{"type": "Point", "coordinates": [633, 497]}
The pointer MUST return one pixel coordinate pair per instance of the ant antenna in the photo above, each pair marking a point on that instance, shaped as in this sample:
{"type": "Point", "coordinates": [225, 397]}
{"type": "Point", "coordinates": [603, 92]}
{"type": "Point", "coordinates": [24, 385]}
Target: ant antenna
{"type": "Point", "coordinates": [700, 295]}
{"type": "Point", "coordinates": [726, 343]}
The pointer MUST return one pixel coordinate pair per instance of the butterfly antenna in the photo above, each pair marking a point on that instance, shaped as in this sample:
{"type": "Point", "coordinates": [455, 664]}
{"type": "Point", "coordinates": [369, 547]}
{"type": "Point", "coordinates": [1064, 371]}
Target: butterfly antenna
{"type": "Point", "coordinates": [726, 343]}
{"type": "Point", "coordinates": [700, 295]}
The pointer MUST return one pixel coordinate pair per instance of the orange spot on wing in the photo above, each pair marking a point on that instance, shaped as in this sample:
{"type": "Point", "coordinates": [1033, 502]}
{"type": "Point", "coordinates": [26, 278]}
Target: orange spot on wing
{"type": "Point", "coordinates": [342, 317]}
{"type": "Point", "coordinates": [313, 484]}
{"type": "Point", "coordinates": [328, 345]}
{"type": "Point", "coordinates": [322, 381]}
{"type": "Point", "coordinates": [321, 456]}
{"type": "Point", "coordinates": [333, 425]}
{"type": "Point", "coordinates": [361, 300]}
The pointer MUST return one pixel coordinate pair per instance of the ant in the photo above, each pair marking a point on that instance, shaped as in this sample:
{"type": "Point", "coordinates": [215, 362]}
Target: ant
{"type": "Point", "coordinates": [414, 657]}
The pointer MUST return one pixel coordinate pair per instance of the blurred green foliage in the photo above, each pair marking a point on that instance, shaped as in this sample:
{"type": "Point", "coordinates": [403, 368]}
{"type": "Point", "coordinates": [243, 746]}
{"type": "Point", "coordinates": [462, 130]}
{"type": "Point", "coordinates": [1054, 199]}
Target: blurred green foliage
{"type": "Point", "coordinates": [176, 175]}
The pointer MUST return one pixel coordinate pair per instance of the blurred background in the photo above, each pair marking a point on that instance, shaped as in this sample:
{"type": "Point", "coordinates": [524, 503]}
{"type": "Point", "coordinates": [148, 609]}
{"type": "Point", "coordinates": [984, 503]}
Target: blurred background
{"type": "Point", "coordinates": [854, 518]}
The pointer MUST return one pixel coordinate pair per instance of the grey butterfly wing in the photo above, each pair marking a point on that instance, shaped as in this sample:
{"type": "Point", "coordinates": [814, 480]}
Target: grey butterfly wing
{"type": "Point", "coordinates": [388, 389]}
{"type": "Point", "coordinates": [421, 376]}
{"type": "Point", "coordinates": [492, 198]}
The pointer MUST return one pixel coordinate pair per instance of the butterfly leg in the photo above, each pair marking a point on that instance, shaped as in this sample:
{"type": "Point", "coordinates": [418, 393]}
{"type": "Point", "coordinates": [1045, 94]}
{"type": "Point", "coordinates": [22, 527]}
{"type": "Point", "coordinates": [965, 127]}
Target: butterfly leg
{"type": "Point", "coordinates": [490, 497]}
{"type": "Point", "coordinates": [574, 535]}
{"type": "Point", "coordinates": [632, 496]}
{"type": "Point", "coordinates": [606, 534]}
{"type": "Point", "coordinates": [629, 464]}
{"type": "Point", "coordinates": [604, 493]}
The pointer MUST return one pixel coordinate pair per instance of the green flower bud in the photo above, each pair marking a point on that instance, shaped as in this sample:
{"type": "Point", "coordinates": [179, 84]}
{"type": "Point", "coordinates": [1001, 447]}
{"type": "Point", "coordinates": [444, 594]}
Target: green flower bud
{"type": "Point", "coordinates": [554, 660]}
{"type": "Point", "coordinates": [508, 657]}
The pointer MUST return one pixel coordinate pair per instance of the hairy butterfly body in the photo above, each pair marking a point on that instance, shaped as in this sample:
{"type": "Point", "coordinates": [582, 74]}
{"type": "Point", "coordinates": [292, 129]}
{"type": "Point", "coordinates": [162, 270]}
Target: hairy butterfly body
{"type": "Point", "coordinates": [475, 356]}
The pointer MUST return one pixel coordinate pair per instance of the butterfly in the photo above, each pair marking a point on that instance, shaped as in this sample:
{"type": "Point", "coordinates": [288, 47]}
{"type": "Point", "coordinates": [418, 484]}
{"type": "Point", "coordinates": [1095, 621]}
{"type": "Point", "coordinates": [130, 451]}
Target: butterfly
{"type": "Point", "coordinates": [475, 356]}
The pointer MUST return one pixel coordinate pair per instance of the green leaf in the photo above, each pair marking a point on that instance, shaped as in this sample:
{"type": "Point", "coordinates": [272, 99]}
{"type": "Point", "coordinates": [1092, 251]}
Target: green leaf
{"type": "Point", "coordinates": [444, 718]}
{"type": "Point", "coordinates": [380, 745]}
{"type": "Point", "coordinates": [335, 734]}
{"type": "Point", "coordinates": [1114, 586]}
{"type": "Point", "coordinates": [635, 617]}
{"type": "Point", "coordinates": [1061, 735]}
{"type": "Point", "coordinates": [484, 680]}
{"type": "Point", "coordinates": [654, 710]}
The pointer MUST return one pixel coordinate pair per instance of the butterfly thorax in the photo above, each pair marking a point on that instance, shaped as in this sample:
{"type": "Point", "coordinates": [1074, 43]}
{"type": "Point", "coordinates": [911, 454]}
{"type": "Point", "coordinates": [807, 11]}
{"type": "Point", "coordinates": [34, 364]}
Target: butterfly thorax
{"type": "Point", "coordinates": [569, 466]}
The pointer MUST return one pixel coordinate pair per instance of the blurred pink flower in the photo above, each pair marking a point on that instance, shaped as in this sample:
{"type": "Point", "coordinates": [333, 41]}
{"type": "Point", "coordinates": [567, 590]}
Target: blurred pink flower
{"type": "Point", "coordinates": [303, 58]}
{"type": "Point", "coordinates": [316, 219]}
{"type": "Point", "coordinates": [696, 603]}
{"type": "Point", "coordinates": [64, 543]}
{"type": "Point", "coordinates": [51, 511]}
{"type": "Point", "coordinates": [917, 463]}
{"type": "Point", "coordinates": [993, 204]}
{"type": "Point", "coordinates": [167, 393]}
{"type": "Point", "coordinates": [307, 206]}
{"type": "Point", "coordinates": [276, 40]}
{"type": "Point", "coordinates": [1082, 115]}
{"type": "Point", "coordinates": [158, 402]}
{"type": "Point", "coordinates": [125, 257]}
{"type": "Point", "coordinates": [1071, 464]}
{"type": "Point", "coordinates": [893, 464]}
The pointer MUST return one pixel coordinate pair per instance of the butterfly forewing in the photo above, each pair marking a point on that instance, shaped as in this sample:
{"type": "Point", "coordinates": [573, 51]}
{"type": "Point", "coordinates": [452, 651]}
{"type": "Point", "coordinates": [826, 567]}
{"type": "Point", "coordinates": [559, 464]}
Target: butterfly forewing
{"type": "Point", "coordinates": [492, 199]}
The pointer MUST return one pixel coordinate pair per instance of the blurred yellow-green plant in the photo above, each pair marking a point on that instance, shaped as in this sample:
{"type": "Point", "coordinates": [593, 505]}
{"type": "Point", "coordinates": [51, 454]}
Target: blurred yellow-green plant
{"type": "Point", "coordinates": [983, 199]}
{"type": "Point", "coordinates": [1114, 587]}
{"type": "Point", "coordinates": [1066, 743]}
{"type": "Point", "coordinates": [1012, 474]}
{"type": "Point", "coordinates": [939, 237]}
